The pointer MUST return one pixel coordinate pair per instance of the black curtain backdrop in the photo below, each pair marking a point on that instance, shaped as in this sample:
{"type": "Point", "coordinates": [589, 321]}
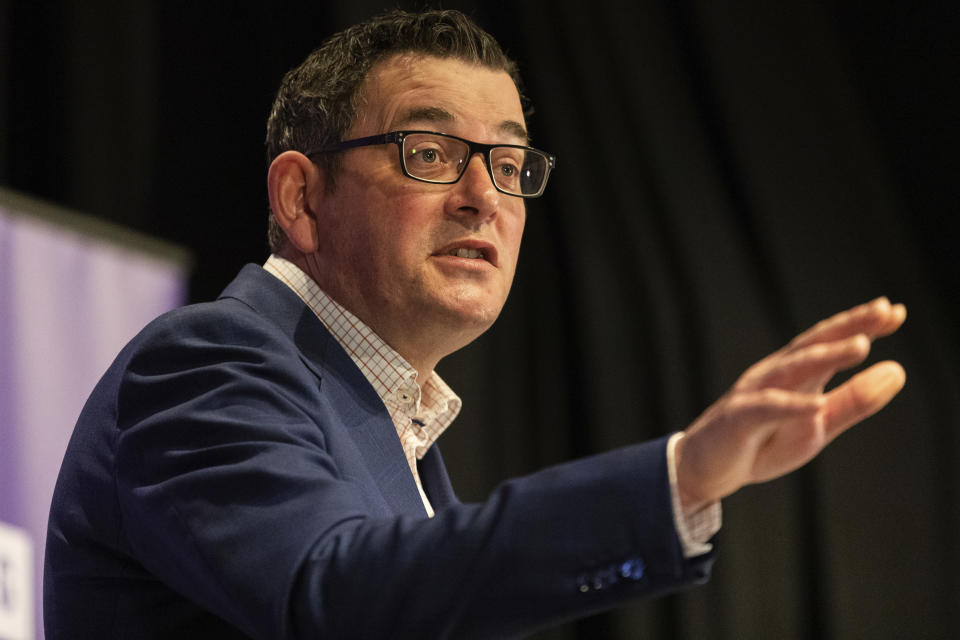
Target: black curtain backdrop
{"type": "Point", "coordinates": [728, 174]}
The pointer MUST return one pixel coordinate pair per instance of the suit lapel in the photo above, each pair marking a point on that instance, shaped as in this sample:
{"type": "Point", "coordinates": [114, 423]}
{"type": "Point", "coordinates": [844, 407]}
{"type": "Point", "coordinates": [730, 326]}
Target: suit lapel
{"type": "Point", "coordinates": [356, 402]}
{"type": "Point", "coordinates": [436, 482]}
{"type": "Point", "coordinates": [372, 430]}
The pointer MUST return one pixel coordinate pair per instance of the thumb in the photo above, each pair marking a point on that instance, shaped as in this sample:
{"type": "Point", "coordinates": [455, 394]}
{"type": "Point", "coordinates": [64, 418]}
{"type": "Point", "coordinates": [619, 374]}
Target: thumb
{"type": "Point", "coordinates": [861, 396]}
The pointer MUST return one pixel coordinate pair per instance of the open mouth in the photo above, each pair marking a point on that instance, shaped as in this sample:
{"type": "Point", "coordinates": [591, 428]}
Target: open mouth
{"type": "Point", "coordinates": [463, 252]}
{"type": "Point", "coordinates": [471, 249]}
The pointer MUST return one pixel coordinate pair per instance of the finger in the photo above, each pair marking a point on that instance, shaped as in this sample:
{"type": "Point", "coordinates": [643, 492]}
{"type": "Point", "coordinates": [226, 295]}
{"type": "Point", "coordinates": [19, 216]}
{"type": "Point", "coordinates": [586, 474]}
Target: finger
{"type": "Point", "coordinates": [771, 405]}
{"type": "Point", "coordinates": [898, 315]}
{"type": "Point", "coordinates": [750, 415]}
{"type": "Point", "coordinates": [873, 319]}
{"type": "Point", "coordinates": [861, 396]}
{"type": "Point", "coordinates": [809, 368]}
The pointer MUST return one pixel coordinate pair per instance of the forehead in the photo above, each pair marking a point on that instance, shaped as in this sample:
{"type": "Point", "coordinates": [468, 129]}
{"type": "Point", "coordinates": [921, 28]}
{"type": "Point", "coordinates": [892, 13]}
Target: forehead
{"type": "Point", "coordinates": [441, 94]}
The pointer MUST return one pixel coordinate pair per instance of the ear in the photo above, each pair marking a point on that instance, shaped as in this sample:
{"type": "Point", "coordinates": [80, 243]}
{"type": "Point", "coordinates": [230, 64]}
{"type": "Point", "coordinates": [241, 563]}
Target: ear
{"type": "Point", "coordinates": [290, 180]}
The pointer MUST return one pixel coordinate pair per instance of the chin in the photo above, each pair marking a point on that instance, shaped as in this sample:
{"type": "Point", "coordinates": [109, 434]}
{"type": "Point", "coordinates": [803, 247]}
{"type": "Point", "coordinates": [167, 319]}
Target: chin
{"type": "Point", "coordinates": [473, 313]}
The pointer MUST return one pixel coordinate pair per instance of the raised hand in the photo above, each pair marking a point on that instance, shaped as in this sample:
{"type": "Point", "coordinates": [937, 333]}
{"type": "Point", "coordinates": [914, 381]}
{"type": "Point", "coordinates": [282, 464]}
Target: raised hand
{"type": "Point", "coordinates": [777, 416]}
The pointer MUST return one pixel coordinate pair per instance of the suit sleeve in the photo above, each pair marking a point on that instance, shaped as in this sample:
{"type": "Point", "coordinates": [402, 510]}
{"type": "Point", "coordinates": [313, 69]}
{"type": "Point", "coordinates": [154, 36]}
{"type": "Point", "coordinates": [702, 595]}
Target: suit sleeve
{"type": "Point", "coordinates": [230, 494]}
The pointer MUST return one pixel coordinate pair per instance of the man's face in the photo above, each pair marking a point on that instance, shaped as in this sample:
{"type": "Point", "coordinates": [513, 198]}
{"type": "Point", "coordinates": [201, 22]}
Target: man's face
{"type": "Point", "coordinates": [388, 243]}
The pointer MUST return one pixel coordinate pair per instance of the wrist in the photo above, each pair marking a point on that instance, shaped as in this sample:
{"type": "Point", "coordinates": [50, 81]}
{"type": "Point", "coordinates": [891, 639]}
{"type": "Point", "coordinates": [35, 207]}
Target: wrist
{"type": "Point", "coordinates": [690, 501]}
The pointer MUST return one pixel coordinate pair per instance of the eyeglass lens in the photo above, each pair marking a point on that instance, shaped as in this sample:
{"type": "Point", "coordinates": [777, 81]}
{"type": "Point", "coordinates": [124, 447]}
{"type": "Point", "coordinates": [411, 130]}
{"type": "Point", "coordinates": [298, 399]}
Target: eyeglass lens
{"type": "Point", "coordinates": [442, 159]}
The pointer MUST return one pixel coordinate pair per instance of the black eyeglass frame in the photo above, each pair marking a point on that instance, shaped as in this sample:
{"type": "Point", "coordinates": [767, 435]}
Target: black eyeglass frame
{"type": "Point", "coordinates": [397, 137]}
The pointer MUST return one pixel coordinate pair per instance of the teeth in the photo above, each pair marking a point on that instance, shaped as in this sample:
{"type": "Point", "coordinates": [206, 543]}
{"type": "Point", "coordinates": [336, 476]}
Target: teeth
{"type": "Point", "coordinates": [463, 252]}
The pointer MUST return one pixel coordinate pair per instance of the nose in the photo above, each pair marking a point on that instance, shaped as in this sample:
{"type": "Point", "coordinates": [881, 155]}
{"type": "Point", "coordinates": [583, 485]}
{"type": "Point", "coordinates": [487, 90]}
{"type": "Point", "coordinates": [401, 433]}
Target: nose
{"type": "Point", "coordinates": [474, 195]}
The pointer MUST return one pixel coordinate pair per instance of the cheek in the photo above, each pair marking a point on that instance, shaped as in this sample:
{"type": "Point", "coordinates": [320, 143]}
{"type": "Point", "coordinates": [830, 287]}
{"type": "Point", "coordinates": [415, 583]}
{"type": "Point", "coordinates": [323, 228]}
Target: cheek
{"type": "Point", "coordinates": [414, 225]}
{"type": "Point", "coordinates": [397, 243]}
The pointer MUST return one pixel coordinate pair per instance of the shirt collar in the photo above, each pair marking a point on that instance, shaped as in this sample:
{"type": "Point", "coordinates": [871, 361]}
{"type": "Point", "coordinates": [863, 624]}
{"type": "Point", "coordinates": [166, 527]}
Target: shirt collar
{"type": "Point", "coordinates": [432, 405]}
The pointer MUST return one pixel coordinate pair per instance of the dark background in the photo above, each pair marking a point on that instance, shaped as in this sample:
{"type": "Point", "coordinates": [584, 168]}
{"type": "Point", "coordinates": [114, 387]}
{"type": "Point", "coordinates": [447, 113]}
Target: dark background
{"type": "Point", "coordinates": [728, 174]}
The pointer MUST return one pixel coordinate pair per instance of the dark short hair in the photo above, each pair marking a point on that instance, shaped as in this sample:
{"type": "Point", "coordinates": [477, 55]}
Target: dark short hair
{"type": "Point", "coordinates": [319, 99]}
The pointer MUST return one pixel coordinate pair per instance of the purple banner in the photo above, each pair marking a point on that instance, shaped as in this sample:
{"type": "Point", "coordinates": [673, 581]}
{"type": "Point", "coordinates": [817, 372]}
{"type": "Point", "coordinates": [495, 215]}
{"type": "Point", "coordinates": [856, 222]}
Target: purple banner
{"type": "Point", "coordinates": [69, 300]}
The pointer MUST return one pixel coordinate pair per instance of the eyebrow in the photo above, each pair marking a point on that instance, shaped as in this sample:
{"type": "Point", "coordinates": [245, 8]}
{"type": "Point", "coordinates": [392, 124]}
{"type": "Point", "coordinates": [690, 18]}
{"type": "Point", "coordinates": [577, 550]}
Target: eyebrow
{"type": "Point", "coordinates": [441, 115]}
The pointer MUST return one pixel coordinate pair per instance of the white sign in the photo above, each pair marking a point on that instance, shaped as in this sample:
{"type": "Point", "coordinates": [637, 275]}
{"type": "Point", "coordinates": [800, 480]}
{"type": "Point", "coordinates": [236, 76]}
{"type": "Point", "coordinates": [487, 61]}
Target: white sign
{"type": "Point", "coordinates": [16, 584]}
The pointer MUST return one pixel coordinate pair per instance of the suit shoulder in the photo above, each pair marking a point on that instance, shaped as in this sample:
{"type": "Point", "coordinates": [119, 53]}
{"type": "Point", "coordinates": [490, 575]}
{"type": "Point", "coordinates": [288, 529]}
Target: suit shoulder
{"type": "Point", "coordinates": [226, 319]}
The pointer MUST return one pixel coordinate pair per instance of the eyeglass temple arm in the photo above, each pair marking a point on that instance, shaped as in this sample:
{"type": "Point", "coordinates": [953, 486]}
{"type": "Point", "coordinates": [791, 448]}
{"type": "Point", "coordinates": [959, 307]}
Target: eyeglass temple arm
{"type": "Point", "coordinates": [380, 138]}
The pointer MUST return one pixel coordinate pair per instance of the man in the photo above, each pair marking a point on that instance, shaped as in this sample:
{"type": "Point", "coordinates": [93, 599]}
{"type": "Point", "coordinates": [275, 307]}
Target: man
{"type": "Point", "coordinates": [264, 465]}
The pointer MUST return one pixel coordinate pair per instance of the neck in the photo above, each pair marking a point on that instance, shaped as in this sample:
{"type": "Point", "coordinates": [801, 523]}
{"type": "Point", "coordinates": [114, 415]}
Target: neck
{"type": "Point", "coordinates": [422, 348]}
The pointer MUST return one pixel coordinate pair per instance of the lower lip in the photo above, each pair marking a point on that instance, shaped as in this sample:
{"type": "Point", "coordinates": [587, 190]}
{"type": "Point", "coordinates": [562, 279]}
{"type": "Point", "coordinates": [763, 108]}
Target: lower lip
{"type": "Point", "coordinates": [472, 264]}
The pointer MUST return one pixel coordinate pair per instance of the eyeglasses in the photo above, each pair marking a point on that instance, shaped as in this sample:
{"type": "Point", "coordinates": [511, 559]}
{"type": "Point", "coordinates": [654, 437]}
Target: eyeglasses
{"type": "Point", "coordinates": [442, 159]}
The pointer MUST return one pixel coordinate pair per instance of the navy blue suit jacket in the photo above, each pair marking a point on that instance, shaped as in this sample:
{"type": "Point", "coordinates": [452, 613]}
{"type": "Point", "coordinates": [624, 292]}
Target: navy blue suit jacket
{"type": "Point", "coordinates": [234, 475]}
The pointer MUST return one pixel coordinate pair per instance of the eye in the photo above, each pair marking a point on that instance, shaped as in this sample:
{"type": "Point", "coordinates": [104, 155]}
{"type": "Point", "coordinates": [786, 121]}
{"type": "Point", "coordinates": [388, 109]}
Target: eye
{"type": "Point", "coordinates": [432, 158]}
{"type": "Point", "coordinates": [427, 156]}
{"type": "Point", "coordinates": [508, 160]}
{"type": "Point", "coordinates": [508, 166]}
